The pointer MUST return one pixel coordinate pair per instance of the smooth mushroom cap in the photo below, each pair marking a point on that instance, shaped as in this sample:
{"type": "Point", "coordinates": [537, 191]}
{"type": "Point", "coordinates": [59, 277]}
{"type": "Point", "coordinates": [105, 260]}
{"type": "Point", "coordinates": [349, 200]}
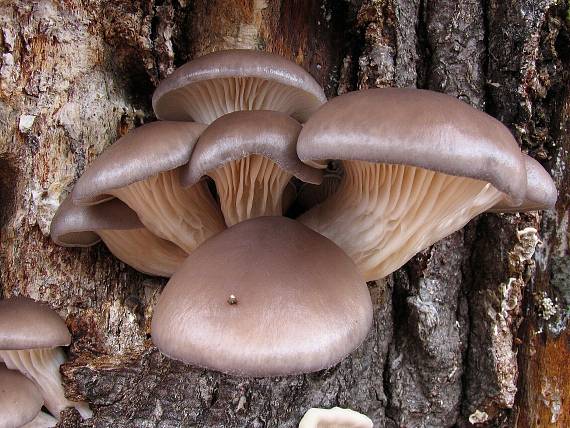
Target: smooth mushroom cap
{"type": "Point", "coordinates": [540, 193]}
{"type": "Point", "coordinates": [143, 170]}
{"type": "Point", "coordinates": [121, 230]}
{"type": "Point", "coordinates": [76, 226]}
{"type": "Point", "coordinates": [266, 297]}
{"type": "Point", "coordinates": [27, 324]}
{"type": "Point", "coordinates": [334, 418]}
{"type": "Point", "coordinates": [20, 400]}
{"type": "Point", "coordinates": [240, 134]}
{"type": "Point", "coordinates": [142, 153]}
{"type": "Point", "coordinates": [418, 128]}
{"type": "Point", "coordinates": [251, 156]}
{"type": "Point", "coordinates": [222, 82]}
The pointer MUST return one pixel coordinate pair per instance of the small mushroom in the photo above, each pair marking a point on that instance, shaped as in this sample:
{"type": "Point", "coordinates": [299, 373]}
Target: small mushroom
{"type": "Point", "coordinates": [21, 402]}
{"type": "Point", "coordinates": [418, 166]}
{"type": "Point", "coordinates": [31, 335]}
{"type": "Point", "coordinates": [222, 82]}
{"type": "Point", "coordinates": [121, 230]}
{"type": "Point", "coordinates": [334, 418]}
{"type": "Point", "coordinates": [251, 156]}
{"type": "Point", "coordinates": [540, 193]}
{"type": "Point", "coordinates": [299, 304]}
{"type": "Point", "coordinates": [142, 170]}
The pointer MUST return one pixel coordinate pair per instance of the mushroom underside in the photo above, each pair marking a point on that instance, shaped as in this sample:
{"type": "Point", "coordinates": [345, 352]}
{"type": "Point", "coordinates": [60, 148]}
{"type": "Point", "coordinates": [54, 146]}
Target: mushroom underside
{"type": "Point", "coordinates": [383, 214]}
{"type": "Point", "coordinates": [185, 216]}
{"type": "Point", "coordinates": [42, 367]}
{"type": "Point", "coordinates": [207, 100]}
{"type": "Point", "coordinates": [250, 187]}
{"type": "Point", "coordinates": [144, 251]}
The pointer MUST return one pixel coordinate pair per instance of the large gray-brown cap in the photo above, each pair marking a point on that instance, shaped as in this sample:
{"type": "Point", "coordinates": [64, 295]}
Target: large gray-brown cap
{"type": "Point", "coordinates": [142, 153]}
{"type": "Point", "coordinates": [237, 135]}
{"type": "Point", "coordinates": [419, 128]}
{"type": "Point", "coordinates": [76, 226]}
{"type": "Point", "coordinates": [20, 399]}
{"type": "Point", "coordinates": [265, 297]}
{"type": "Point", "coordinates": [27, 324]}
{"type": "Point", "coordinates": [540, 193]}
{"type": "Point", "coordinates": [221, 82]}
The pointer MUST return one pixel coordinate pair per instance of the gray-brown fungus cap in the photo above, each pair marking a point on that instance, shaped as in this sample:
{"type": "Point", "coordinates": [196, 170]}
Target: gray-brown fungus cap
{"type": "Point", "coordinates": [418, 165]}
{"type": "Point", "coordinates": [20, 399]}
{"type": "Point", "coordinates": [121, 230]}
{"type": "Point", "coordinates": [266, 297]}
{"type": "Point", "coordinates": [222, 82]}
{"type": "Point", "coordinates": [26, 324]}
{"type": "Point", "coordinates": [251, 156]}
{"type": "Point", "coordinates": [540, 193]}
{"type": "Point", "coordinates": [143, 170]}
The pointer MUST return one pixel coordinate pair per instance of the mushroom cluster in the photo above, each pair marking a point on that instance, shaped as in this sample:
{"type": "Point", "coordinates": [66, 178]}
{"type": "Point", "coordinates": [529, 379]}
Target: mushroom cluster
{"type": "Point", "coordinates": [263, 282]}
{"type": "Point", "coordinates": [31, 337]}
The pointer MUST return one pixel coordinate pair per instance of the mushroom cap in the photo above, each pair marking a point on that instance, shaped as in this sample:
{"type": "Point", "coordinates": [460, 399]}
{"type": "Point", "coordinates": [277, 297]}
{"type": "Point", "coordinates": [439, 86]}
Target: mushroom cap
{"type": "Point", "coordinates": [336, 417]}
{"type": "Point", "coordinates": [20, 399]}
{"type": "Point", "coordinates": [540, 194]}
{"type": "Point", "coordinates": [419, 128]}
{"type": "Point", "coordinates": [243, 133]}
{"type": "Point", "coordinates": [27, 324]}
{"type": "Point", "coordinates": [168, 99]}
{"type": "Point", "coordinates": [301, 304]}
{"type": "Point", "coordinates": [75, 226]}
{"type": "Point", "coordinates": [142, 153]}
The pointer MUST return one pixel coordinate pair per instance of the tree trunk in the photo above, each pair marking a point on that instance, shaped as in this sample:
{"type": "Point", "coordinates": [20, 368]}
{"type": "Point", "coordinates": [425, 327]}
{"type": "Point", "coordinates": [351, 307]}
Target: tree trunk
{"type": "Point", "coordinates": [472, 330]}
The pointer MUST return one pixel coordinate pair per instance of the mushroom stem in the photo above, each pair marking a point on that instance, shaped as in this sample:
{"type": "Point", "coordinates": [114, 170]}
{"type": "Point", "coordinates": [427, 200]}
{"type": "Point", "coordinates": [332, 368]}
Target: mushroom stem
{"type": "Point", "coordinates": [186, 217]}
{"type": "Point", "coordinates": [42, 420]}
{"type": "Point", "coordinates": [379, 210]}
{"type": "Point", "coordinates": [42, 366]}
{"type": "Point", "coordinates": [250, 187]}
{"type": "Point", "coordinates": [160, 257]}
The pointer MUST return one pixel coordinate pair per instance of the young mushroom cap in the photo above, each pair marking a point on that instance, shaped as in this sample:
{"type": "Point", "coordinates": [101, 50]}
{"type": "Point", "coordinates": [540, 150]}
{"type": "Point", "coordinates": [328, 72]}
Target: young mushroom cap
{"type": "Point", "coordinates": [266, 297]}
{"type": "Point", "coordinates": [142, 169]}
{"type": "Point", "coordinates": [20, 400]}
{"type": "Point", "coordinates": [418, 166]}
{"type": "Point", "coordinates": [222, 82]}
{"type": "Point", "coordinates": [30, 338]}
{"type": "Point", "coordinates": [121, 230]}
{"type": "Point", "coordinates": [251, 156]}
{"type": "Point", "coordinates": [336, 417]}
{"type": "Point", "coordinates": [540, 193]}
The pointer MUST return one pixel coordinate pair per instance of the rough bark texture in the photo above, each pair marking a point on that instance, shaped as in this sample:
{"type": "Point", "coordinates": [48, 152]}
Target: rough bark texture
{"type": "Point", "coordinates": [473, 330]}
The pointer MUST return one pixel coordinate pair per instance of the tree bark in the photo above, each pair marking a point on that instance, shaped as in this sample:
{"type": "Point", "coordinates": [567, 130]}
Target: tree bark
{"type": "Point", "coordinates": [472, 330]}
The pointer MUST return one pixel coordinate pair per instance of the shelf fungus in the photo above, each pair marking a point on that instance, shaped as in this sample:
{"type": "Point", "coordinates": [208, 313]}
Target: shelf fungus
{"type": "Point", "coordinates": [143, 170]}
{"type": "Point", "coordinates": [120, 229]}
{"type": "Point", "coordinates": [301, 305]}
{"type": "Point", "coordinates": [223, 82]}
{"type": "Point", "coordinates": [31, 337]}
{"type": "Point", "coordinates": [418, 165]}
{"type": "Point", "coordinates": [251, 156]}
{"type": "Point", "coordinates": [21, 402]}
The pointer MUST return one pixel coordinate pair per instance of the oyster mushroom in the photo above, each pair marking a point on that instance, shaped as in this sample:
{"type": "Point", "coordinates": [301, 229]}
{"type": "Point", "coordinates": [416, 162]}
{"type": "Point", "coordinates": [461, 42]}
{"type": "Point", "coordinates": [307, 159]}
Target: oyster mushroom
{"type": "Point", "coordinates": [334, 418]}
{"type": "Point", "coordinates": [121, 230]}
{"type": "Point", "coordinates": [251, 156]}
{"type": "Point", "coordinates": [143, 170]}
{"type": "Point", "coordinates": [21, 402]}
{"type": "Point", "coordinates": [31, 336]}
{"type": "Point", "coordinates": [223, 82]}
{"type": "Point", "coordinates": [418, 165]}
{"type": "Point", "coordinates": [266, 297]}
